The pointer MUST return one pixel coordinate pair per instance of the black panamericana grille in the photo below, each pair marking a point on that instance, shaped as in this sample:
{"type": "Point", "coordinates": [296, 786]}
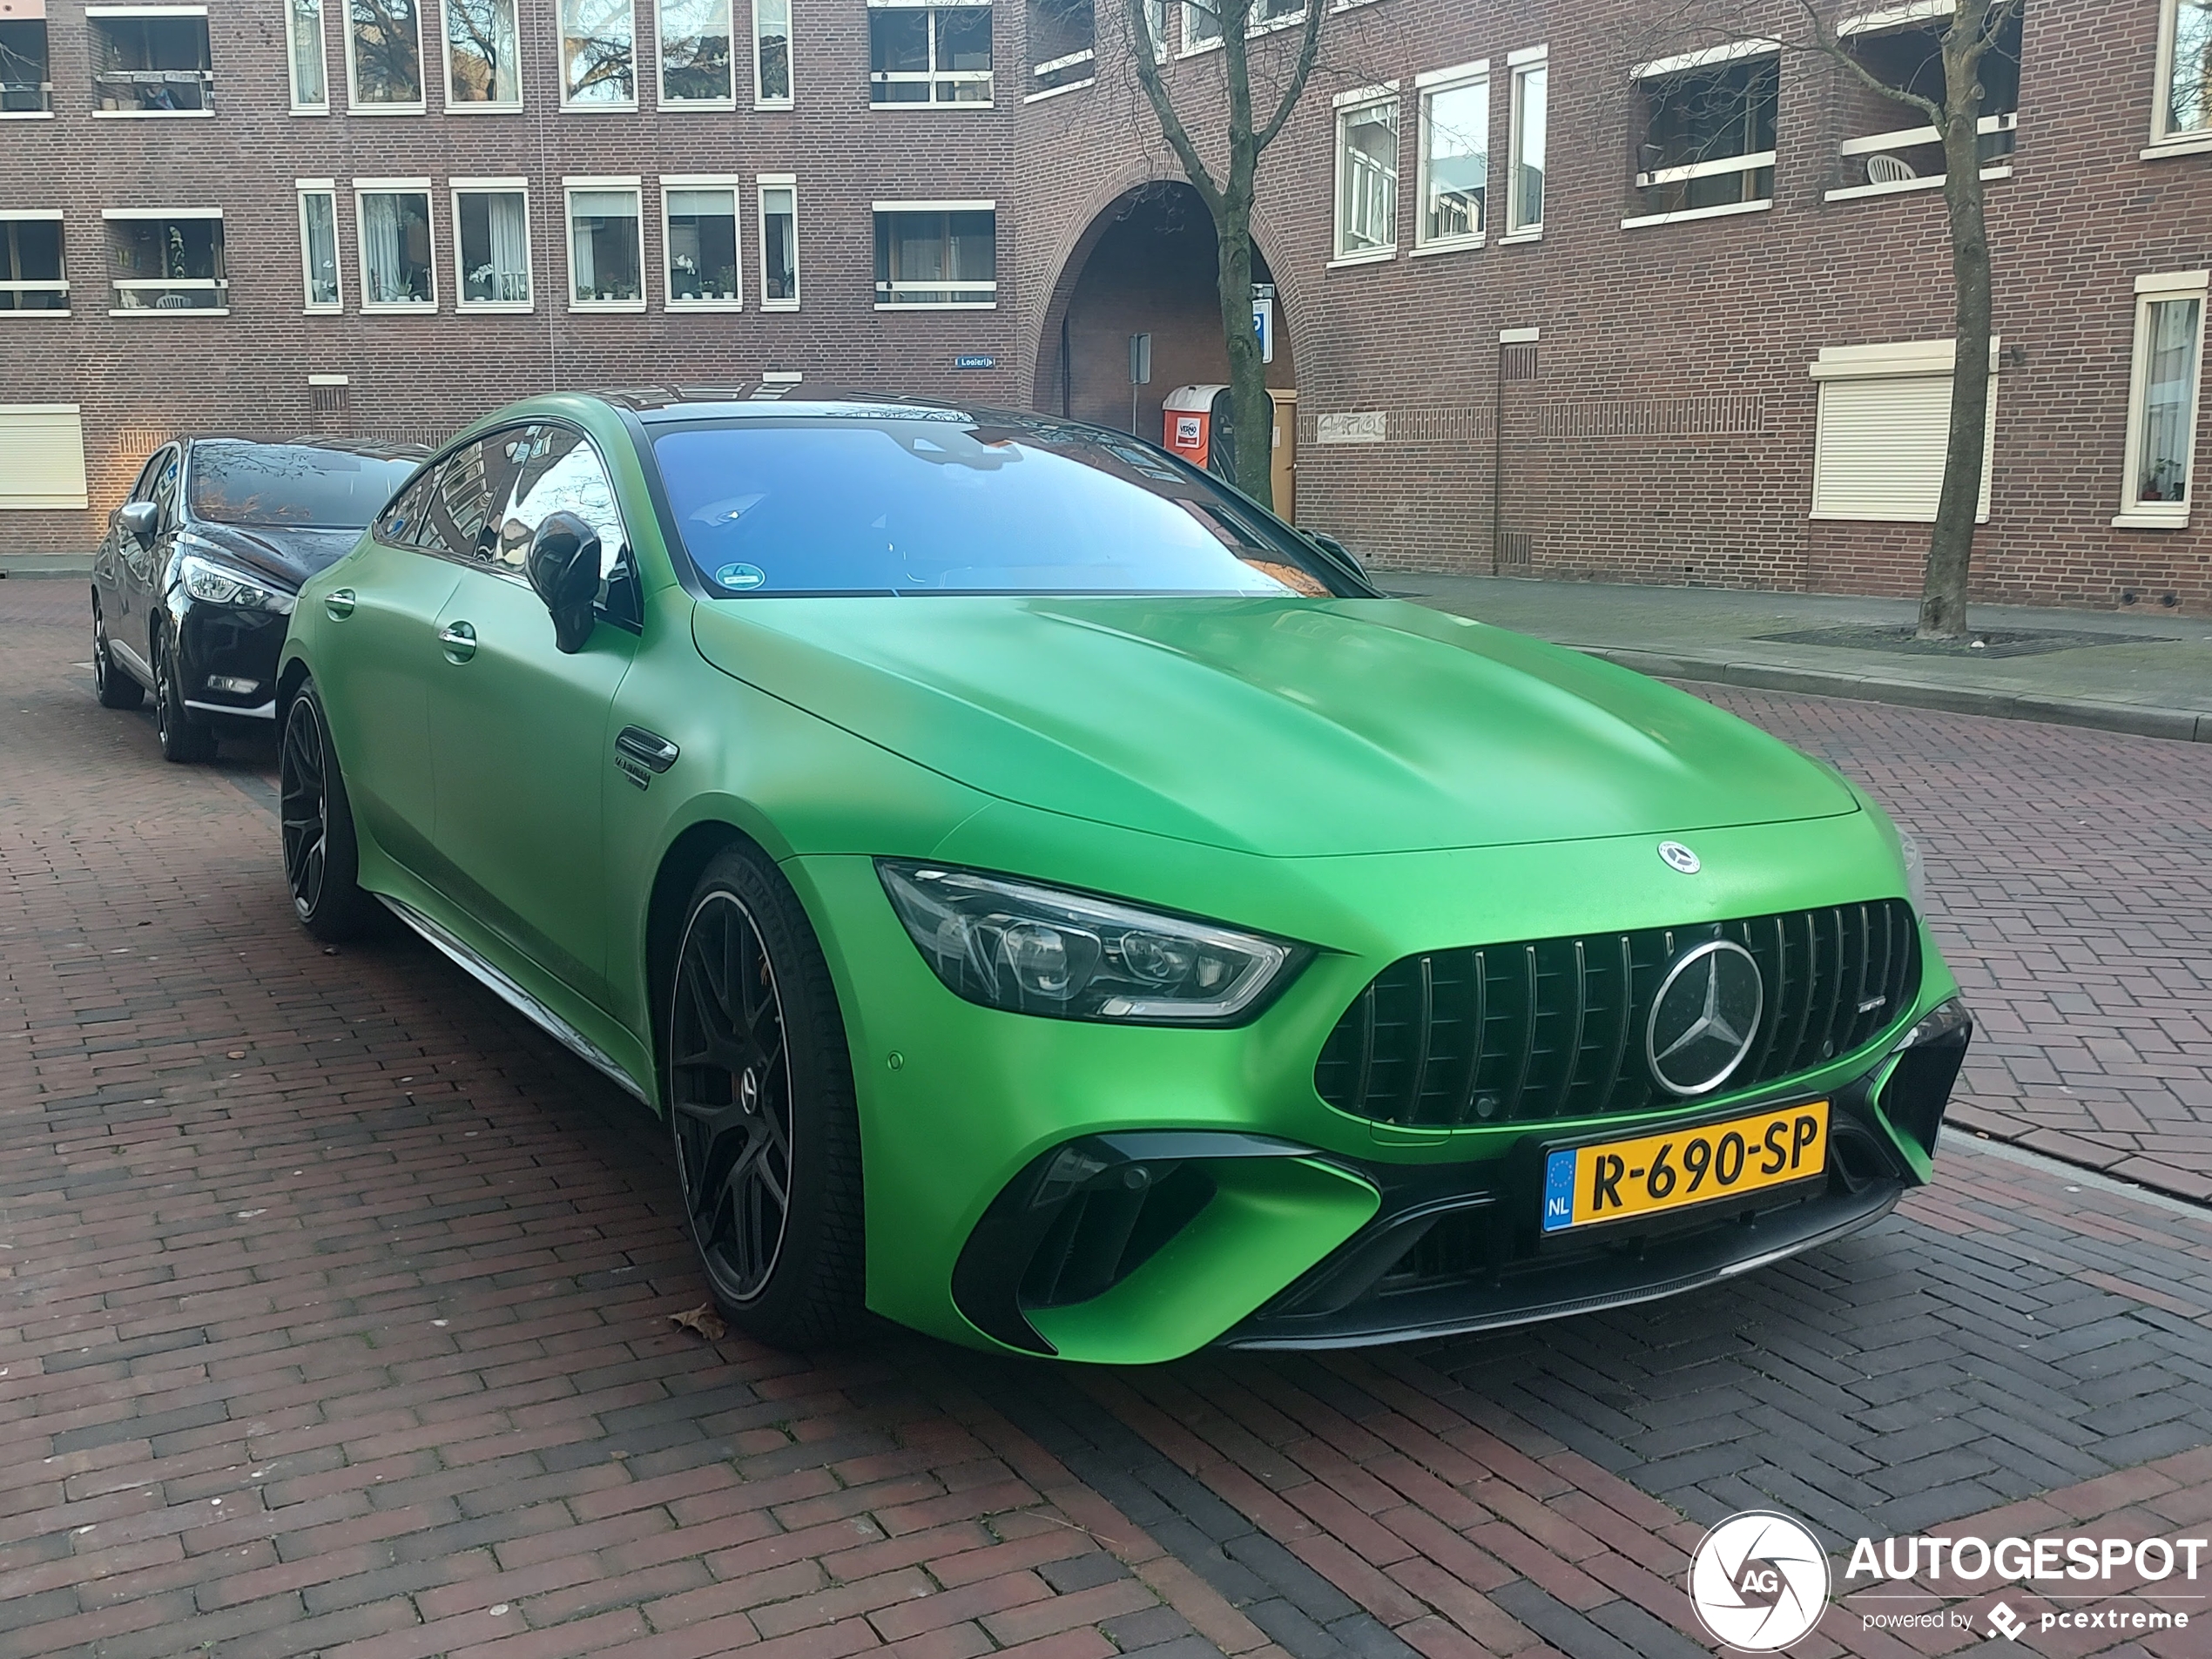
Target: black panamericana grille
{"type": "Point", "coordinates": [1555, 1028]}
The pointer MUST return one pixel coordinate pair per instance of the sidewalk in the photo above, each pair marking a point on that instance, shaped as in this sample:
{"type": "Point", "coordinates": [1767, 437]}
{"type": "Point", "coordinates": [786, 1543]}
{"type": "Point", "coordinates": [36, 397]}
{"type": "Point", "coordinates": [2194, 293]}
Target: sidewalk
{"type": "Point", "coordinates": [2145, 670]}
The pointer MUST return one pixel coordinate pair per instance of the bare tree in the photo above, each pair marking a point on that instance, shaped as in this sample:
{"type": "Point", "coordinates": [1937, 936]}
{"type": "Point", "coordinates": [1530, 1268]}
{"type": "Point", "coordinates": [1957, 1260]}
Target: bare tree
{"type": "Point", "coordinates": [1244, 133]}
{"type": "Point", "coordinates": [1953, 105]}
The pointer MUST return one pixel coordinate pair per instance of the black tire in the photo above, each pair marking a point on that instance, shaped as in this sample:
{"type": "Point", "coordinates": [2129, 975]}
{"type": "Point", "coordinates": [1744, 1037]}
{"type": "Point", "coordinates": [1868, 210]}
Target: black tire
{"type": "Point", "coordinates": [110, 683]}
{"type": "Point", "coordinates": [183, 738]}
{"type": "Point", "coordinates": [321, 857]}
{"type": "Point", "coordinates": [760, 1091]}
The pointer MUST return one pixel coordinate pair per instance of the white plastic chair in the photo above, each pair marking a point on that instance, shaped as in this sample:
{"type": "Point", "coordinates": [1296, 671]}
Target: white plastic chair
{"type": "Point", "coordinates": [1888, 169]}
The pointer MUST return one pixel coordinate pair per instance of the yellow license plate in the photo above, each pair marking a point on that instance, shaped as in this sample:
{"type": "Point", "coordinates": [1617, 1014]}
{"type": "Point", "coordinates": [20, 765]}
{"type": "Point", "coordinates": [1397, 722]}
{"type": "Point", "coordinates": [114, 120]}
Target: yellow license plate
{"type": "Point", "coordinates": [1673, 1171]}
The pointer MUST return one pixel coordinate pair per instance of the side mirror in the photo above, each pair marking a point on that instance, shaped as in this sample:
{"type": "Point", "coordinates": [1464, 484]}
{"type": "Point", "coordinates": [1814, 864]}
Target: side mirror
{"type": "Point", "coordinates": [563, 567]}
{"type": "Point", "coordinates": [139, 518]}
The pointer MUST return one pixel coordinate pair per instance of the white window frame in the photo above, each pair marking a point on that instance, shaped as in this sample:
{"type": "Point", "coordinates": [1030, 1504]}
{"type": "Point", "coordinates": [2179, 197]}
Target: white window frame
{"type": "Point", "coordinates": [1750, 161]}
{"type": "Point", "coordinates": [760, 100]}
{"type": "Point", "coordinates": [763, 183]}
{"type": "Point", "coordinates": [1268, 26]}
{"type": "Point", "coordinates": [949, 284]}
{"type": "Point", "coordinates": [365, 187]}
{"type": "Point", "coordinates": [561, 68]}
{"type": "Point", "coordinates": [445, 67]}
{"type": "Point", "coordinates": [735, 185]}
{"type": "Point", "coordinates": [309, 305]}
{"type": "Point", "coordinates": [660, 66]}
{"type": "Point", "coordinates": [292, 54]}
{"type": "Point", "coordinates": [46, 215]}
{"type": "Point", "coordinates": [207, 96]}
{"type": "Point", "coordinates": [988, 77]}
{"type": "Point", "coordinates": [420, 106]}
{"type": "Point", "coordinates": [1520, 64]}
{"type": "Point", "coordinates": [2164, 142]}
{"type": "Point", "coordinates": [1192, 45]}
{"type": "Point", "coordinates": [209, 284]}
{"type": "Point", "coordinates": [1427, 85]}
{"type": "Point", "coordinates": [2136, 515]}
{"type": "Point", "coordinates": [1347, 105]}
{"type": "Point", "coordinates": [569, 187]}
{"type": "Point", "coordinates": [46, 85]}
{"type": "Point", "coordinates": [517, 185]}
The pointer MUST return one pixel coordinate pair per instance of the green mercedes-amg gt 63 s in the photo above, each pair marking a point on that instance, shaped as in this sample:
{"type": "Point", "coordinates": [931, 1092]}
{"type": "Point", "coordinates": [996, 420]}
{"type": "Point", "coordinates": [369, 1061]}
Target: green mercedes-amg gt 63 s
{"type": "Point", "coordinates": [1060, 907]}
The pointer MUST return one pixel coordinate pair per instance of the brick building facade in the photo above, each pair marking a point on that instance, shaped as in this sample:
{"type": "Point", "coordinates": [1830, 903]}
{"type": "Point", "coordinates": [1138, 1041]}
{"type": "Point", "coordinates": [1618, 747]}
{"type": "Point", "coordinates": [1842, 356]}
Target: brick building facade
{"type": "Point", "coordinates": [1696, 334]}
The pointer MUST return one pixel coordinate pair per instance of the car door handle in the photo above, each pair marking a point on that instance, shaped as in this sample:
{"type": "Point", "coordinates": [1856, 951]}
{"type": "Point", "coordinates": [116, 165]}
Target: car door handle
{"type": "Point", "coordinates": [460, 641]}
{"type": "Point", "coordinates": [338, 603]}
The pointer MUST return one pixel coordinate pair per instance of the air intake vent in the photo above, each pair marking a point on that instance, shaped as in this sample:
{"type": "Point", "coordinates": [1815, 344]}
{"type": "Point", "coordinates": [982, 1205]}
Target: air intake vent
{"type": "Point", "coordinates": [1555, 1028]}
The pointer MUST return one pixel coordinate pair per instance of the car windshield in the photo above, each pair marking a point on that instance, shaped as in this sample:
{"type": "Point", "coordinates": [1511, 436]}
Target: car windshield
{"type": "Point", "coordinates": [924, 502]}
{"type": "Point", "coordinates": [290, 486]}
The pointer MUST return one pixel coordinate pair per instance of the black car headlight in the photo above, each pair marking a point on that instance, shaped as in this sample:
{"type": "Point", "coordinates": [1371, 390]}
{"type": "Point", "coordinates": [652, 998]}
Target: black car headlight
{"type": "Point", "coordinates": [1011, 944]}
{"type": "Point", "coordinates": [222, 585]}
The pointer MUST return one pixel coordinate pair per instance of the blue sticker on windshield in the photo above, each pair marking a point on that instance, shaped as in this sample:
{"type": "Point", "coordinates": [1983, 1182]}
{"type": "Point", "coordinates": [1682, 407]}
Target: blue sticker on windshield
{"type": "Point", "coordinates": [740, 575]}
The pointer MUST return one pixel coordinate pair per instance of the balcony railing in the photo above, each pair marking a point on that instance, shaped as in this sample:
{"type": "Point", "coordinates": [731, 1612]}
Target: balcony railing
{"type": "Point", "coordinates": [1910, 159]}
{"type": "Point", "coordinates": [154, 91]}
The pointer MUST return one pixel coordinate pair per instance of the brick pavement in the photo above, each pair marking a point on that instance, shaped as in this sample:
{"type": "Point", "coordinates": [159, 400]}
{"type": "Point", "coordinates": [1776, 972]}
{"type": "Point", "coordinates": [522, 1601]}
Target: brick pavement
{"type": "Point", "coordinates": [2072, 873]}
{"type": "Point", "coordinates": [333, 1318]}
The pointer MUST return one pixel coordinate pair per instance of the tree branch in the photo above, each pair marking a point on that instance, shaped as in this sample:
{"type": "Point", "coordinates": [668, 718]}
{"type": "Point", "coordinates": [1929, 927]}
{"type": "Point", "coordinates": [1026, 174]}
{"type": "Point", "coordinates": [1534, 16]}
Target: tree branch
{"type": "Point", "coordinates": [1309, 51]}
{"type": "Point", "coordinates": [1163, 103]}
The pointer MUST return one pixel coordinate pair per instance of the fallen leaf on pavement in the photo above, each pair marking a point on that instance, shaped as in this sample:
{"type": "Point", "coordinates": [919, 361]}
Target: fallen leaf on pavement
{"type": "Point", "coordinates": [702, 1319]}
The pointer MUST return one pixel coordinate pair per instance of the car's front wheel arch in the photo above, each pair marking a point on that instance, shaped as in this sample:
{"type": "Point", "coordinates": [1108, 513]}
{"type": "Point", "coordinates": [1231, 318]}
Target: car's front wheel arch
{"type": "Point", "coordinates": [681, 866]}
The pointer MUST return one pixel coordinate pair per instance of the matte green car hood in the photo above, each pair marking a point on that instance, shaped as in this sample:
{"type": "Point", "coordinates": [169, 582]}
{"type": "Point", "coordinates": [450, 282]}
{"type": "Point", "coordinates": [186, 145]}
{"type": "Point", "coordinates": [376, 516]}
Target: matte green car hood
{"type": "Point", "coordinates": [1292, 727]}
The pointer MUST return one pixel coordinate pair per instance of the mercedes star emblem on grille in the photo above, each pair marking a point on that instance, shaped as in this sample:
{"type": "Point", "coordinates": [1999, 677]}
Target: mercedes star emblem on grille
{"type": "Point", "coordinates": [1704, 1017]}
{"type": "Point", "coordinates": [1679, 856]}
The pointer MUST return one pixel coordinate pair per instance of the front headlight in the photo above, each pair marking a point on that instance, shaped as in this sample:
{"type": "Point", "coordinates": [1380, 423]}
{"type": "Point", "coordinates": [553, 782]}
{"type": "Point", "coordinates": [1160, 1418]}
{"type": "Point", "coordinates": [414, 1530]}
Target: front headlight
{"type": "Point", "coordinates": [1916, 871]}
{"type": "Point", "coordinates": [1010, 944]}
{"type": "Point", "coordinates": [220, 584]}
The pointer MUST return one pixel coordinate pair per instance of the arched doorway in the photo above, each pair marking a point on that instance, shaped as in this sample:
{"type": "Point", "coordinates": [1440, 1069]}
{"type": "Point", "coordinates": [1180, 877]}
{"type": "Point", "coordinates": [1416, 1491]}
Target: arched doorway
{"type": "Point", "coordinates": [1146, 265]}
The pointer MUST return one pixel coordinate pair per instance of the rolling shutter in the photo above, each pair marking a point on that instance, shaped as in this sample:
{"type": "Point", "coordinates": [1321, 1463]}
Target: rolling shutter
{"type": "Point", "coordinates": [1885, 416]}
{"type": "Point", "coordinates": [42, 456]}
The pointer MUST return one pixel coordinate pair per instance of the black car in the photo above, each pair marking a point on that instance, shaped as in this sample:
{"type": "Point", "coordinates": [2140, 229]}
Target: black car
{"type": "Point", "coordinates": [194, 581]}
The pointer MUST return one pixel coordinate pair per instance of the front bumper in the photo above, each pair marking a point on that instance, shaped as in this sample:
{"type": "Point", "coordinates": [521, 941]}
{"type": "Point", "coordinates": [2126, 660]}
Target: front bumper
{"type": "Point", "coordinates": [236, 643]}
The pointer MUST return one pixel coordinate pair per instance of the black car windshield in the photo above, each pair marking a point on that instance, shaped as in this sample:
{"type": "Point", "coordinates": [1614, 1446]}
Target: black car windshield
{"type": "Point", "coordinates": [290, 486]}
{"type": "Point", "coordinates": [927, 502]}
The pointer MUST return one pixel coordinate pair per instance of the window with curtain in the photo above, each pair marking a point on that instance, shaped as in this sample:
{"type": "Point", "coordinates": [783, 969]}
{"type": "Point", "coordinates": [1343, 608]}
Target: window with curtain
{"type": "Point", "coordinates": [1367, 177]}
{"type": "Point", "coordinates": [1525, 207]}
{"type": "Point", "coordinates": [2185, 102]}
{"type": "Point", "coordinates": [772, 52]}
{"type": "Point", "coordinates": [695, 52]}
{"type": "Point", "coordinates": [598, 54]}
{"type": "Point", "coordinates": [384, 54]}
{"type": "Point", "coordinates": [937, 257]}
{"type": "Point", "coordinates": [2169, 351]}
{"type": "Point", "coordinates": [493, 229]}
{"type": "Point", "coordinates": [779, 246]}
{"type": "Point", "coordinates": [483, 55]}
{"type": "Point", "coordinates": [1455, 161]}
{"type": "Point", "coordinates": [396, 271]}
{"type": "Point", "coordinates": [701, 246]}
{"type": "Point", "coordinates": [605, 257]}
{"type": "Point", "coordinates": [303, 38]}
{"type": "Point", "coordinates": [318, 248]}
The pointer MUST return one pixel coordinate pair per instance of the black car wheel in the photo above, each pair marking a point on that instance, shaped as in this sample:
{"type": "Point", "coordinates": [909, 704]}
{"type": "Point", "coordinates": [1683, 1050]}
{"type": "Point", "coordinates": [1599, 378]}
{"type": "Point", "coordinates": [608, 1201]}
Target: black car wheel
{"type": "Point", "coordinates": [183, 738]}
{"type": "Point", "coordinates": [322, 860]}
{"type": "Point", "coordinates": [115, 688]}
{"type": "Point", "coordinates": [761, 1105]}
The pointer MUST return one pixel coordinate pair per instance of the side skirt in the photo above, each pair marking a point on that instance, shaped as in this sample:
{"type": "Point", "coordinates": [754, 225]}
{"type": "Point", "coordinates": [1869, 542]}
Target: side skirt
{"type": "Point", "coordinates": [514, 996]}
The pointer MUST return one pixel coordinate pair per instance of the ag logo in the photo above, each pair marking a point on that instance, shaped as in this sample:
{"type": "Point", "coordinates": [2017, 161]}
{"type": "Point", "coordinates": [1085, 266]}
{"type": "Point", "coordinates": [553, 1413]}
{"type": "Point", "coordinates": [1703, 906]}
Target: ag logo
{"type": "Point", "coordinates": [1759, 1581]}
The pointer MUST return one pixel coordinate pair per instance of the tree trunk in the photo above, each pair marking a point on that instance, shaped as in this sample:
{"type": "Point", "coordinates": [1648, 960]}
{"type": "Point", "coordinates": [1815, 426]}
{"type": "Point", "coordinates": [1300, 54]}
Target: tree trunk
{"type": "Point", "coordinates": [1943, 596]}
{"type": "Point", "coordinates": [1247, 374]}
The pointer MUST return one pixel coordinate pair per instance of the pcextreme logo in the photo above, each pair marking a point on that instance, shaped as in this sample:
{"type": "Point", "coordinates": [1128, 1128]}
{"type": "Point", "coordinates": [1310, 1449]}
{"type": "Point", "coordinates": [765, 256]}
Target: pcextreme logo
{"type": "Point", "coordinates": [1759, 1582]}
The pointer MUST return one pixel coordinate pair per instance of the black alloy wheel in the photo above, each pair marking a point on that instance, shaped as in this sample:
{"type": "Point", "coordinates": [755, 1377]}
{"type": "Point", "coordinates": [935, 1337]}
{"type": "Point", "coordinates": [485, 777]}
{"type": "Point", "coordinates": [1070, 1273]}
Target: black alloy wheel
{"type": "Point", "coordinates": [760, 1108]}
{"type": "Point", "coordinates": [320, 858]}
{"type": "Point", "coordinates": [182, 738]}
{"type": "Point", "coordinates": [115, 688]}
